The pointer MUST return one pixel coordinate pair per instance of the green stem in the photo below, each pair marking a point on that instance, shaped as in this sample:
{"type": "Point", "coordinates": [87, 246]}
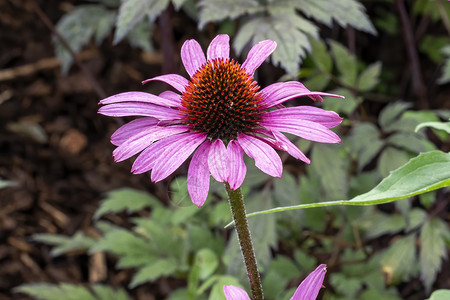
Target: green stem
{"type": "Point", "coordinates": [240, 222]}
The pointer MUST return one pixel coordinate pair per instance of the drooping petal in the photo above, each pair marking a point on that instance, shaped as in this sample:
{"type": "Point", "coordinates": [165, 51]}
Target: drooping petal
{"type": "Point", "coordinates": [327, 118]}
{"type": "Point", "coordinates": [270, 138]}
{"type": "Point", "coordinates": [137, 97]}
{"type": "Point", "coordinates": [257, 55]}
{"type": "Point", "coordinates": [266, 159]}
{"type": "Point", "coordinates": [310, 286]}
{"type": "Point", "coordinates": [174, 98]}
{"type": "Point", "coordinates": [175, 154]}
{"type": "Point", "coordinates": [218, 161]}
{"type": "Point", "coordinates": [235, 293]}
{"type": "Point", "coordinates": [124, 109]}
{"type": "Point", "coordinates": [131, 128]}
{"type": "Point", "coordinates": [178, 82]}
{"type": "Point", "coordinates": [281, 92]}
{"type": "Point", "coordinates": [145, 138]}
{"type": "Point", "coordinates": [198, 175]}
{"type": "Point", "coordinates": [219, 47]}
{"type": "Point", "coordinates": [236, 165]}
{"type": "Point", "coordinates": [192, 56]}
{"type": "Point", "coordinates": [302, 128]}
{"type": "Point", "coordinates": [292, 149]}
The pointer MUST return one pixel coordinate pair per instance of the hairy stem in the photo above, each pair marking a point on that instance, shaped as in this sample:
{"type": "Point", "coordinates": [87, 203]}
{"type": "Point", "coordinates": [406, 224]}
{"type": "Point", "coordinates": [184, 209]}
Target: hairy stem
{"type": "Point", "coordinates": [240, 221]}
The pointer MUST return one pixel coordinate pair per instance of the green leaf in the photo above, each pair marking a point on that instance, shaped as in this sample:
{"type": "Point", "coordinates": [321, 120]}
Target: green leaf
{"type": "Point", "coordinates": [317, 81]}
{"type": "Point", "coordinates": [369, 78]}
{"type": "Point", "coordinates": [163, 239]}
{"type": "Point", "coordinates": [440, 295]}
{"type": "Point", "coordinates": [280, 271]}
{"type": "Point", "coordinates": [377, 223]}
{"type": "Point", "coordinates": [218, 10]}
{"type": "Point", "coordinates": [423, 173]}
{"type": "Point", "coordinates": [365, 141]}
{"type": "Point", "coordinates": [411, 142]}
{"type": "Point", "coordinates": [332, 169]}
{"type": "Point", "coordinates": [416, 218]}
{"type": "Point", "coordinates": [345, 106]}
{"type": "Point", "coordinates": [377, 295]}
{"type": "Point", "coordinates": [344, 12]}
{"type": "Point", "coordinates": [263, 236]}
{"type": "Point", "coordinates": [140, 35]}
{"type": "Point", "coordinates": [320, 56]}
{"type": "Point", "coordinates": [433, 47]}
{"type": "Point", "coordinates": [445, 77]}
{"type": "Point", "coordinates": [131, 249]}
{"type": "Point", "coordinates": [346, 63]}
{"type": "Point", "coordinates": [179, 192]}
{"type": "Point", "coordinates": [285, 30]}
{"type": "Point", "coordinates": [127, 199]}
{"type": "Point", "coordinates": [152, 271]}
{"type": "Point", "coordinates": [217, 289]}
{"type": "Point", "coordinates": [207, 262]}
{"type": "Point", "coordinates": [45, 291]}
{"type": "Point", "coordinates": [390, 159]}
{"type": "Point", "coordinates": [6, 183]}
{"type": "Point", "coordinates": [398, 262]}
{"type": "Point", "coordinates": [104, 292]}
{"type": "Point", "coordinates": [310, 191]}
{"type": "Point", "coordinates": [345, 285]}
{"type": "Point", "coordinates": [433, 250]}
{"type": "Point", "coordinates": [436, 125]}
{"type": "Point", "coordinates": [392, 112]}
{"type": "Point", "coordinates": [78, 27]}
{"type": "Point", "coordinates": [132, 12]}
{"type": "Point", "coordinates": [64, 243]}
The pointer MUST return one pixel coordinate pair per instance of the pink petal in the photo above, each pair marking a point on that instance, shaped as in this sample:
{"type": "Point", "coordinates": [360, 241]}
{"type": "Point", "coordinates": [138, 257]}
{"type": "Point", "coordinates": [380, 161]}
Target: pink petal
{"type": "Point", "coordinates": [128, 130]}
{"type": "Point", "coordinates": [219, 47]}
{"type": "Point", "coordinates": [176, 81]}
{"type": "Point", "coordinates": [270, 138]}
{"type": "Point", "coordinates": [137, 97]}
{"type": "Point", "coordinates": [257, 55]}
{"type": "Point", "coordinates": [218, 161]}
{"type": "Point", "coordinates": [174, 98]}
{"type": "Point", "coordinates": [280, 92]}
{"type": "Point", "coordinates": [327, 118]}
{"type": "Point", "coordinates": [198, 175]}
{"type": "Point", "coordinates": [192, 56]}
{"type": "Point", "coordinates": [292, 149]}
{"type": "Point", "coordinates": [237, 165]}
{"type": "Point", "coordinates": [302, 128]}
{"type": "Point", "coordinates": [124, 109]}
{"type": "Point", "coordinates": [147, 159]}
{"type": "Point", "coordinates": [235, 293]}
{"type": "Point", "coordinates": [266, 159]}
{"type": "Point", "coordinates": [310, 287]}
{"type": "Point", "coordinates": [145, 138]}
{"type": "Point", "coordinates": [176, 153]}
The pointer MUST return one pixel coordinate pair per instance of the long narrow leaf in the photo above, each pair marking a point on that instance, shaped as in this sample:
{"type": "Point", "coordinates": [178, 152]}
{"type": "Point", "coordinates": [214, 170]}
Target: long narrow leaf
{"type": "Point", "coordinates": [424, 173]}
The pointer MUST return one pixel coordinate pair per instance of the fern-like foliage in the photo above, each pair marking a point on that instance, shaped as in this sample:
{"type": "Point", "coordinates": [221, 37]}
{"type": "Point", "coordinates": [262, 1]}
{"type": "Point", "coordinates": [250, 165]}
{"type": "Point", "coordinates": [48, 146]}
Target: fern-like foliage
{"type": "Point", "coordinates": [132, 12]}
{"type": "Point", "coordinates": [219, 10]}
{"type": "Point", "coordinates": [78, 27]}
{"type": "Point", "coordinates": [46, 291]}
{"type": "Point", "coordinates": [284, 22]}
{"type": "Point", "coordinates": [445, 77]}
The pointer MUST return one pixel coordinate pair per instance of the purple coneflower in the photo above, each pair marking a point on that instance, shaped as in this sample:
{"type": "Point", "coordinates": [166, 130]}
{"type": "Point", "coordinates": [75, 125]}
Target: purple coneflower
{"type": "Point", "coordinates": [218, 115]}
{"type": "Point", "coordinates": [307, 290]}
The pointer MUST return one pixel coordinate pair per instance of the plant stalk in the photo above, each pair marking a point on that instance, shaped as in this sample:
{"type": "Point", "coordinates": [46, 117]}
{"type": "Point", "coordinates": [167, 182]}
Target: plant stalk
{"type": "Point", "coordinates": [243, 232]}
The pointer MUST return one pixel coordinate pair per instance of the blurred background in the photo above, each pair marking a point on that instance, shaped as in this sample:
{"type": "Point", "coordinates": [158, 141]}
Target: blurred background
{"type": "Point", "coordinates": [390, 58]}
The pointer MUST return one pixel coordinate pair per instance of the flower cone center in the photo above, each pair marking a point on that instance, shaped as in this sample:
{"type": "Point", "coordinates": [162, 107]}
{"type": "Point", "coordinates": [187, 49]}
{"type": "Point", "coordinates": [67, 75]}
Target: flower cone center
{"type": "Point", "coordinates": [222, 100]}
